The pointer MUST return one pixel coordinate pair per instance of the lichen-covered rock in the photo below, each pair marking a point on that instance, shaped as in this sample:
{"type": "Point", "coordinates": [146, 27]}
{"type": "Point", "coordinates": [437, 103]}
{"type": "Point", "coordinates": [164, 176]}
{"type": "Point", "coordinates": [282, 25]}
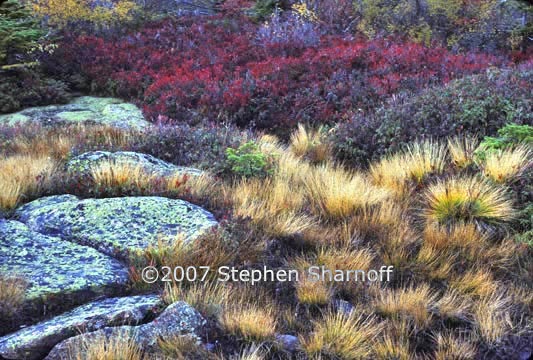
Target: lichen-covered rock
{"type": "Point", "coordinates": [36, 341]}
{"type": "Point", "coordinates": [81, 165]}
{"type": "Point", "coordinates": [178, 319]}
{"type": "Point", "coordinates": [116, 226]}
{"type": "Point", "coordinates": [85, 109]}
{"type": "Point", "coordinates": [54, 268]}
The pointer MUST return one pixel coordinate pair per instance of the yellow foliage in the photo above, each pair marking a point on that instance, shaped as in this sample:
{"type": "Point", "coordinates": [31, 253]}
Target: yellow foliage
{"type": "Point", "coordinates": [62, 12]}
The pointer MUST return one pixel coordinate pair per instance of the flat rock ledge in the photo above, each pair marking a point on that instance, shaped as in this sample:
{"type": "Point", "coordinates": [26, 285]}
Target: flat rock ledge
{"type": "Point", "coordinates": [82, 165]}
{"type": "Point", "coordinates": [34, 342]}
{"type": "Point", "coordinates": [57, 270]}
{"type": "Point", "coordinates": [86, 109]}
{"type": "Point", "coordinates": [178, 319]}
{"type": "Point", "coordinates": [116, 226]}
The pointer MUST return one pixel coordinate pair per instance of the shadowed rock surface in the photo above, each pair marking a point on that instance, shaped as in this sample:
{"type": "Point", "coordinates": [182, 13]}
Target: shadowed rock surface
{"type": "Point", "coordinates": [177, 319]}
{"type": "Point", "coordinates": [81, 165]}
{"type": "Point", "coordinates": [55, 268]}
{"type": "Point", "coordinates": [85, 109]}
{"type": "Point", "coordinates": [35, 342]}
{"type": "Point", "coordinates": [116, 226]}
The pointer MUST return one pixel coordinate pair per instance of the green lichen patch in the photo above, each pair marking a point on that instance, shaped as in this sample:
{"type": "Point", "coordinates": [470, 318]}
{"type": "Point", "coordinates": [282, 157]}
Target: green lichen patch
{"type": "Point", "coordinates": [34, 342]}
{"type": "Point", "coordinates": [56, 268]}
{"type": "Point", "coordinates": [81, 165]}
{"type": "Point", "coordinates": [105, 111]}
{"type": "Point", "coordinates": [116, 226]}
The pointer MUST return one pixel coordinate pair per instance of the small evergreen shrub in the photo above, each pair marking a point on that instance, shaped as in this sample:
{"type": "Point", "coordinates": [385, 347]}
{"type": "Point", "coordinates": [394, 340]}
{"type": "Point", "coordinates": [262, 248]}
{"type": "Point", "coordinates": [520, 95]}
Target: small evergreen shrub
{"type": "Point", "coordinates": [248, 161]}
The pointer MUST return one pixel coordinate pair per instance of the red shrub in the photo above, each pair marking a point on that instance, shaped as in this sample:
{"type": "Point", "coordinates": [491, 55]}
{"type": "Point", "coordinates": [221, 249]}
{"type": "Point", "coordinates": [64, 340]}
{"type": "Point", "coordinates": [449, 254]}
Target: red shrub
{"type": "Point", "coordinates": [213, 67]}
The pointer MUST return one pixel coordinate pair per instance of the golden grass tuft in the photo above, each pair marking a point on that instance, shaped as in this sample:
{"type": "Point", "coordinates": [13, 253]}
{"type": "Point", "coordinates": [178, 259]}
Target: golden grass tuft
{"type": "Point", "coordinates": [492, 318]}
{"type": "Point", "coordinates": [461, 235]}
{"type": "Point", "coordinates": [461, 150]}
{"type": "Point", "coordinates": [209, 298]}
{"type": "Point", "coordinates": [506, 165]}
{"type": "Point", "coordinates": [395, 343]}
{"type": "Point", "coordinates": [342, 336]}
{"type": "Point", "coordinates": [453, 305]}
{"type": "Point", "coordinates": [467, 199]}
{"type": "Point", "coordinates": [413, 303]}
{"type": "Point", "coordinates": [415, 163]}
{"type": "Point", "coordinates": [122, 176]}
{"type": "Point", "coordinates": [310, 144]}
{"type": "Point", "coordinates": [450, 347]}
{"type": "Point", "coordinates": [101, 348]}
{"type": "Point", "coordinates": [250, 322]}
{"type": "Point", "coordinates": [182, 348]}
{"type": "Point", "coordinates": [271, 204]}
{"type": "Point", "coordinates": [250, 352]}
{"type": "Point", "coordinates": [344, 258]}
{"type": "Point", "coordinates": [310, 292]}
{"type": "Point", "coordinates": [391, 348]}
{"type": "Point", "coordinates": [23, 177]}
{"type": "Point", "coordinates": [118, 175]}
{"type": "Point", "coordinates": [12, 291]}
{"type": "Point", "coordinates": [336, 193]}
{"type": "Point", "coordinates": [475, 283]}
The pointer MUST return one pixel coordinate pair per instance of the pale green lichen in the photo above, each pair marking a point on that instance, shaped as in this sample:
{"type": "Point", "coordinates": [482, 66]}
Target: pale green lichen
{"type": "Point", "coordinates": [83, 164]}
{"type": "Point", "coordinates": [53, 267]}
{"type": "Point", "coordinates": [106, 111]}
{"type": "Point", "coordinates": [116, 226]}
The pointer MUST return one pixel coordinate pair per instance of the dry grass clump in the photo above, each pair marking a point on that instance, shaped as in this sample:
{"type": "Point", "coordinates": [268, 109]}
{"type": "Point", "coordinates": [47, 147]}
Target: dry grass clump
{"type": "Point", "coordinates": [12, 290]}
{"type": "Point", "coordinates": [443, 246]}
{"type": "Point", "coordinates": [209, 249]}
{"type": "Point", "coordinates": [475, 283]}
{"type": "Point", "coordinates": [250, 322]}
{"type": "Point", "coordinates": [310, 144]}
{"type": "Point", "coordinates": [121, 347]}
{"type": "Point", "coordinates": [271, 204]}
{"type": "Point", "coordinates": [182, 348]}
{"type": "Point", "coordinates": [506, 165]}
{"type": "Point", "coordinates": [23, 177]}
{"type": "Point", "coordinates": [438, 264]}
{"type": "Point", "coordinates": [390, 348]}
{"type": "Point", "coordinates": [412, 303]}
{"type": "Point", "coordinates": [395, 343]}
{"type": "Point", "coordinates": [461, 150]}
{"type": "Point", "coordinates": [453, 305]}
{"type": "Point", "coordinates": [415, 163]}
{"type": "Point", "coordinates": [424, 158]}
{"type": "Point", "coordinates": [209, 298]}
{"type": "Point", "coordinates": [60, 141]}
{"type": "Point", "coordinates": [121, 176]}
{"type": "Point", "coordinates": [250, 352]}
{"type": "Point", "coordinates": [335, 193]}
{"type": "Point", "coordinates": [467, 199]}
{"type": "Point", "coordinates": [341, 336]}
{"type": "Point", "coordinates": [464, 236]}
{"type": "Point", "coordinates": [492, 318]}
{"type": "Point", "coordinates": [309, 292]}
{"type": "Point", "coordinates": [344, 258]}
{"type": "Point", "coordinates": [450, 347]}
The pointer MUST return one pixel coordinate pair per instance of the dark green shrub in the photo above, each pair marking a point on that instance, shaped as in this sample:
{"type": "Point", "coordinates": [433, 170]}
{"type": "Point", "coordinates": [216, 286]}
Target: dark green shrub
{"type": "Point", "coordinates": [203, 146]}
{"type": "Point", "coordinates": [474, 105]}
{"type": "Point", "coordinates": [248, 161]}
{"type": "Point", "coordinates": [24, 87]}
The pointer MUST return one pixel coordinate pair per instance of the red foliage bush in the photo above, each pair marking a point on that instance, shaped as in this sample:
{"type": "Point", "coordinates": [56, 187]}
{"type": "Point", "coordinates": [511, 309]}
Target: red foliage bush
{"type": "Point", "coordinates": [192, 69]}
